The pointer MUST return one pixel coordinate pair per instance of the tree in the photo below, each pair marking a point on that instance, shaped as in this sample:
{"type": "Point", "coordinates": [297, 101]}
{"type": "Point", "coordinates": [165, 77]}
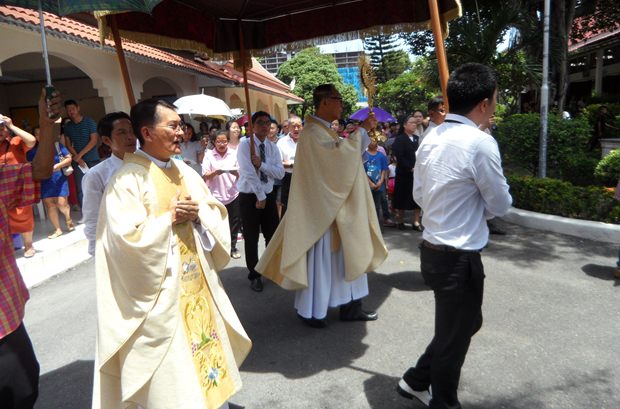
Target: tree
{"type": "Point", "coordinates": [387, 61]}
{"type": "Point", "coordinates": [310, 69]}
{"type": "Point", "coordinates": [404, 94]}
{"type": "Point", "coordinates": [474, 37]}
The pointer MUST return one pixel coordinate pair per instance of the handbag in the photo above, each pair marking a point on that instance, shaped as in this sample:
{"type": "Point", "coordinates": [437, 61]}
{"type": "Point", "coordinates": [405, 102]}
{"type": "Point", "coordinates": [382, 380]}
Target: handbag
{"type": "Point", "coordinates": [67, 170]}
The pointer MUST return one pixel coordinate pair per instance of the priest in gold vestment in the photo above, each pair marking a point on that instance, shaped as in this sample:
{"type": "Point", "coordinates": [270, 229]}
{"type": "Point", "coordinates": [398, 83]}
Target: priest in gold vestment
{"type": "Point", "coordinates": [167, 335]}
{"type": "Point", "coordinates": [330, 235]}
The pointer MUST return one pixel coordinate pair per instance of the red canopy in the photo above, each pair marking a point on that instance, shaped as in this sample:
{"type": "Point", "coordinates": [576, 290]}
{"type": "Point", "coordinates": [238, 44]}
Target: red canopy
{"type": "Point", "coordinates": [267, 25]}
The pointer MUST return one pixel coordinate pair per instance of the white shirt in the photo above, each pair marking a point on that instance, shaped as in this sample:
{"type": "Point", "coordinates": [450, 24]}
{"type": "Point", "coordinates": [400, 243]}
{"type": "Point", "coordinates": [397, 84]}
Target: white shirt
{"type": "Point", "coordinates": [249, 180]}
{"type": "Point", "coordinates": [431, 125]}
{"type": "Point", "coordinates": [93, 185]}
{"type": "Point", "coordinates": [287, 147]}
{"type": "Point", "coordinates": [459, 183]}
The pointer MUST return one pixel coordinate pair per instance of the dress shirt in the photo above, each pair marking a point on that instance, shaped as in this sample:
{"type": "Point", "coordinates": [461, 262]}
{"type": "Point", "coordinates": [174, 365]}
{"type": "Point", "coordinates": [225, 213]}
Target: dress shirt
{"type": "Point", "coordinates": [431, 125]}
{"type": "Point", "coordinates": [459, 183]}
{"type": "Point", "coordinates": [17, 189]}
{"type": "Point", "coordinates": [93, 186]}
{"type": "Point", "coordinates": [249, 180]}
{"type": "Point", "coordinates": [287, 147]}
{"type": "Point", "coordinates": [224, 186]}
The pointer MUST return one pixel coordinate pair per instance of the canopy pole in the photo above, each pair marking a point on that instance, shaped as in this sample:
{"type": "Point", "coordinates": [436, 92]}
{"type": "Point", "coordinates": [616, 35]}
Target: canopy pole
{"type": "Point", "coordinates": [122, 62]}
{"type": "Point", "coordinates": [440, 49]}
{"type": "Point", "coordinates": [248, 113]}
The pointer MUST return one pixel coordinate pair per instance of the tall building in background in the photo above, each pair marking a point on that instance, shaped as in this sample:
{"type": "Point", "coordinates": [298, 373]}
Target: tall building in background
{"type": "Point", "coordinates": [345, 54]}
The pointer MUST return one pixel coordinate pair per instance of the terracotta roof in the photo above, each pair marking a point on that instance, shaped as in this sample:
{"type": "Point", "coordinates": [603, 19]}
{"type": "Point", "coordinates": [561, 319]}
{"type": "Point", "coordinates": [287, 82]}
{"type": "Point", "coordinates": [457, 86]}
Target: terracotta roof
{"type": "Point", "coordinates": [258, 77]}
{"type": "Point", "coordinates": [592, 38]}
{"type": "Point", "coordinates": [72, 30]}
{"type": "Point", "coordinates": [76, 31]}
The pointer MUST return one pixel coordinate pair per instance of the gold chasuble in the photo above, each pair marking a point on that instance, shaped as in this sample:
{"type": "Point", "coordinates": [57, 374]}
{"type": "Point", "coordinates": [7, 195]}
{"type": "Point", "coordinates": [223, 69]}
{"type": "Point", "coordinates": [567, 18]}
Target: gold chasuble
{"type": "Point", "coordinates": [173, 329]}
{"type": "Point", "coordinates": [329, 190]}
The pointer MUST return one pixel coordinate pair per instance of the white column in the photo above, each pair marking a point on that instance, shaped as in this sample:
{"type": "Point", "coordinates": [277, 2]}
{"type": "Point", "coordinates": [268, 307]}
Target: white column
{"type": "Point", "coordinates": [598, 74]}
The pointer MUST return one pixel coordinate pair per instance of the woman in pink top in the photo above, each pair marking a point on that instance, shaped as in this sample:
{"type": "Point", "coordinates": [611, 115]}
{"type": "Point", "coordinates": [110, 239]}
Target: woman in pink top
{"type": "Point", "coordinates": [234, 134]}
{"type": "Point", "coordinates": [221, 172]}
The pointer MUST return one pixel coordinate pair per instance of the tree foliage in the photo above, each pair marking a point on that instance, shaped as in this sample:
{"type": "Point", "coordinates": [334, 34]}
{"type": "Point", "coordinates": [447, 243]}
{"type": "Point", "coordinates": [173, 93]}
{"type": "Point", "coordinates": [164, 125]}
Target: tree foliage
{"type": "Point", "coordinates": [310, 69]}
{"type": "Point", "coordinates": [404, 94]}
{"type": "Point", "coordinates": [387, 61]}
{"type": "Point", "coordinates": [475, 36]}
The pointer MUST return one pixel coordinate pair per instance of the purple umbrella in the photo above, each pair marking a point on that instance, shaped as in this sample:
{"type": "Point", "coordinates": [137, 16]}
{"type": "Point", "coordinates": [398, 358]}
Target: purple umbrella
{"type": "Point", "coordinates": [380, 114]}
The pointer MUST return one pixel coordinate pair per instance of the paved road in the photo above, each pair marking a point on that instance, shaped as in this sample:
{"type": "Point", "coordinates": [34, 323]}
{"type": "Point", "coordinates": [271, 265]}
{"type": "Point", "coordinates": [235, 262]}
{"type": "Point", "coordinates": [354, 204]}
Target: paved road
{"type": "Point", "coordinates": [550, 337]}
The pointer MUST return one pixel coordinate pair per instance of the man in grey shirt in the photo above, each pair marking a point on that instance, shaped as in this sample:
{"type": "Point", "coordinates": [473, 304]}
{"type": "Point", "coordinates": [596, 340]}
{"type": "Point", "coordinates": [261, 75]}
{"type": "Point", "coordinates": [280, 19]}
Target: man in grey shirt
{"type": "Point", "coordinates": [459, 183]}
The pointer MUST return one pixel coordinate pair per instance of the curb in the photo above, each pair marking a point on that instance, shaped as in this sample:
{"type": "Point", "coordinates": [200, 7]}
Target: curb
{"type": "Point", "coordinates": [584, 229]}
{"type": "Point", "coordinates": [54, 257]}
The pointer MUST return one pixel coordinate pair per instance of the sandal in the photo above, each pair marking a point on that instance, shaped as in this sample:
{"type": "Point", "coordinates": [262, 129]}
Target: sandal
{"type": "Point", "coordinates": [29, 253]}
{"type": "Point", "coordinates": [57, 233]}
{"type": "Point", "coordinates": [70, 226]}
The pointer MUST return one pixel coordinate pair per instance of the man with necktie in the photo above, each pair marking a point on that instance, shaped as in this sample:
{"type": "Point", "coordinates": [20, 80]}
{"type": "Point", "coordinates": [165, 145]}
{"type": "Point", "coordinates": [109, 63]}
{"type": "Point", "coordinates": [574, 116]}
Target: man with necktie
{"type": "Point", "coordinates": [257, 201]}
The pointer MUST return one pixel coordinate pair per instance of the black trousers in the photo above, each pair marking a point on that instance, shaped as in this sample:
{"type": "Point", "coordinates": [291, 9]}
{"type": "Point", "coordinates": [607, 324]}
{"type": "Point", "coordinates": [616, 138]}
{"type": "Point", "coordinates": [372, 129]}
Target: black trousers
{"type": "Point", "coordinates": [254, 222]}
{"type": "Point", "coordinates": [234, 222]}
{"type": "Point", "coordinates": [19, 371]}
{"type": "Point", "coordinates": [286, 187]}
{"type": "Point", "coordinates": [457, 279]}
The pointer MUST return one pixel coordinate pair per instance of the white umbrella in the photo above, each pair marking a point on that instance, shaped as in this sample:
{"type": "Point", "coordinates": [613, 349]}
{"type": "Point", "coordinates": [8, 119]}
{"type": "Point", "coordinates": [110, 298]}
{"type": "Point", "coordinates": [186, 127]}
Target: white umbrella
{"type": "Point", "coordinates": [203, 105]}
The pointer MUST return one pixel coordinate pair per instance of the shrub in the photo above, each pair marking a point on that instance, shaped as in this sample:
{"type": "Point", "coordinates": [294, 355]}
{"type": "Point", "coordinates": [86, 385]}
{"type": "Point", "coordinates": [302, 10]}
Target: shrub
{"type": "Point", "coordinates": [552, 196]}
{"type": "Point", "coordinates": [567, 156]}
{"type": "Point", "coordinates": [608, 169]}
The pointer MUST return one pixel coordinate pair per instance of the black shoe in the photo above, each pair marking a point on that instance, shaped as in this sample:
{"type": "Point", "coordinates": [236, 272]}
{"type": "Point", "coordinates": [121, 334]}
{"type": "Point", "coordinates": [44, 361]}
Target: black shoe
{"type": "Point", "coordinates": [235, 254]}
{"type": "Point", "coordinates": [313, 322]}
{"type": "Point", "coordinates": [417, 227]}
{"type": "Point", "coordinates": [401, 226]}
{"type": "Point", "coordinates": [353, 312]}
{"type": "Point", "coordinates": [257, 285]}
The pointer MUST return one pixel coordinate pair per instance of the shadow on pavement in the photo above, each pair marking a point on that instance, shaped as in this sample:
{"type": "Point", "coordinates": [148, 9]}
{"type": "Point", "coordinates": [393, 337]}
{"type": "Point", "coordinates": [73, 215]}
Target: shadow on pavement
{"type": "Point", "coordinates": [603, 272]}
{"type": "Point", "coordinates": [68, 387]}
{"type": "Point", "coordinates": [283, 344]}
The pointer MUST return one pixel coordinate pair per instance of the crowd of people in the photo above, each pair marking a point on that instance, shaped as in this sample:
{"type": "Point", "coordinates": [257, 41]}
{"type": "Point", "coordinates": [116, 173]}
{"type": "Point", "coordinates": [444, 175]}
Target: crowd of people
{"type": "Point", "coordinates": [164, 212]}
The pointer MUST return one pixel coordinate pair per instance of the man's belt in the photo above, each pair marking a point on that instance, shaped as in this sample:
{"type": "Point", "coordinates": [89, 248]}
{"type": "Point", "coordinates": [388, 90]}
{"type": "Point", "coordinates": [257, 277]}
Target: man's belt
{"type": "Point", "coordinates": [446, 248]}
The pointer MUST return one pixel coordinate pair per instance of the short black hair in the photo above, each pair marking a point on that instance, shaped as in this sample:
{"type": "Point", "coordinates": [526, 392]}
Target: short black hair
{"type": "Point", "coordinates": [321, 93]}
{"type": "Point", "coordinates": [434, 103]}
{"type": "Point", "coordinates": [71, 102]}
{"type": "Point", "coordinates": [258, 114]}
{"type": "Point", "coordinates": [106, 124]}
{"type": "Point", "coordinates": [225, 133]}
{"type": "Point", "coordinates": [144, 113]}
{"type": "Point", "coordinates": [194, 135]}
{"type": "Point", "coordinates": [469, 85]}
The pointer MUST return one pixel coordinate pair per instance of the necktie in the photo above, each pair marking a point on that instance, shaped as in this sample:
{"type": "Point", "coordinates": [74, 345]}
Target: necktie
{"type": "Point", "coordinates": [261, 149]}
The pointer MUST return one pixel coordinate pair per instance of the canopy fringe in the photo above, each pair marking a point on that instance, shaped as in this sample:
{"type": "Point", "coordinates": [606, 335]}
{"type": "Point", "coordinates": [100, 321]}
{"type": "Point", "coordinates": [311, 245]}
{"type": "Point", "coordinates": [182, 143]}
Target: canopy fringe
{"type": "Point", "coordinates": [184, 44]}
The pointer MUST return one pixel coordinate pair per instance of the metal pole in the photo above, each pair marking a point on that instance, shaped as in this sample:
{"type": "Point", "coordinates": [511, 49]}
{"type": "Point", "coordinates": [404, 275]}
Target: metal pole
{"type": "Point", "coordinates": [46, 61]}
{"type": "Point", "coordinates": [544, 97]}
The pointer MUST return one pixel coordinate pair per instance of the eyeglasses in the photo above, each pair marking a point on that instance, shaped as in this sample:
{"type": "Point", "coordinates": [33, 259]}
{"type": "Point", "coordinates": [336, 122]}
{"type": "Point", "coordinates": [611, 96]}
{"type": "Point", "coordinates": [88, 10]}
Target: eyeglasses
{"type": "Point", "coordinates": [260, 122]}
{"type": "Point", "coordinates": [173, 127]}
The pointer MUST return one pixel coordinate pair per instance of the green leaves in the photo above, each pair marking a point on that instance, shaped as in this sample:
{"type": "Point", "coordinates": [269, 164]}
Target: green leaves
{"type": "Point", "coordinates": [310, 69]}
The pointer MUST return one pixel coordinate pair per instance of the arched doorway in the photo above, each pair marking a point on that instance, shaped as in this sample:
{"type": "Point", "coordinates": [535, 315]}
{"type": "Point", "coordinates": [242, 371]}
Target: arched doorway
{"type": "Point", "coordinates": [23, 76]}
{"type": "Point", "coordinates": [161, 88]}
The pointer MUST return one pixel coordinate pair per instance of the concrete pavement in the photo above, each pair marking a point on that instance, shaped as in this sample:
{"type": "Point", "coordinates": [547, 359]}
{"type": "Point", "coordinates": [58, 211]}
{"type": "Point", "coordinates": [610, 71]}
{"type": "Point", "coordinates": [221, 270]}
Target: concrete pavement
{"type": "Point", "coordinates": [549, 340]}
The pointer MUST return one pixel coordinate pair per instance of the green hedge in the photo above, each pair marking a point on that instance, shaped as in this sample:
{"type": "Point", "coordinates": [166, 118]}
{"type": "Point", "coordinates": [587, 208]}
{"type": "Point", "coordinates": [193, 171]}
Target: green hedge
{"type": "Point", "coordinates": [608, 169]}
{"type": "Point", "coordinates": [567, 155]}
{"type": "Point", "coordinates": [552, 196]}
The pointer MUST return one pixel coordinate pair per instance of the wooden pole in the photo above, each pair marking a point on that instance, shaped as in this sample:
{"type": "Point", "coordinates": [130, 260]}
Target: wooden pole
{"type": "Point", "coordinates": [121, 60]}
{"type": "Point", "coordinates": [440, 49]}
{"type": "Point", "coordinates": [248, 113]}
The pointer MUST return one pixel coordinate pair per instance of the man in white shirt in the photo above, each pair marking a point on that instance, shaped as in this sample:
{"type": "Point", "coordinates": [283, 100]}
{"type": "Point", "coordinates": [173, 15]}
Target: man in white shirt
{"type": "Point", "coordinates": [257, 199]}
{"type": "Point", "coordinates": [459, 183]}
{"type": "Point", "coordinates": [288, 146]}
{"type": "Point", "coordinates": [436, 115]}
{"type": "Point", "coordinates": [116, 132]}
